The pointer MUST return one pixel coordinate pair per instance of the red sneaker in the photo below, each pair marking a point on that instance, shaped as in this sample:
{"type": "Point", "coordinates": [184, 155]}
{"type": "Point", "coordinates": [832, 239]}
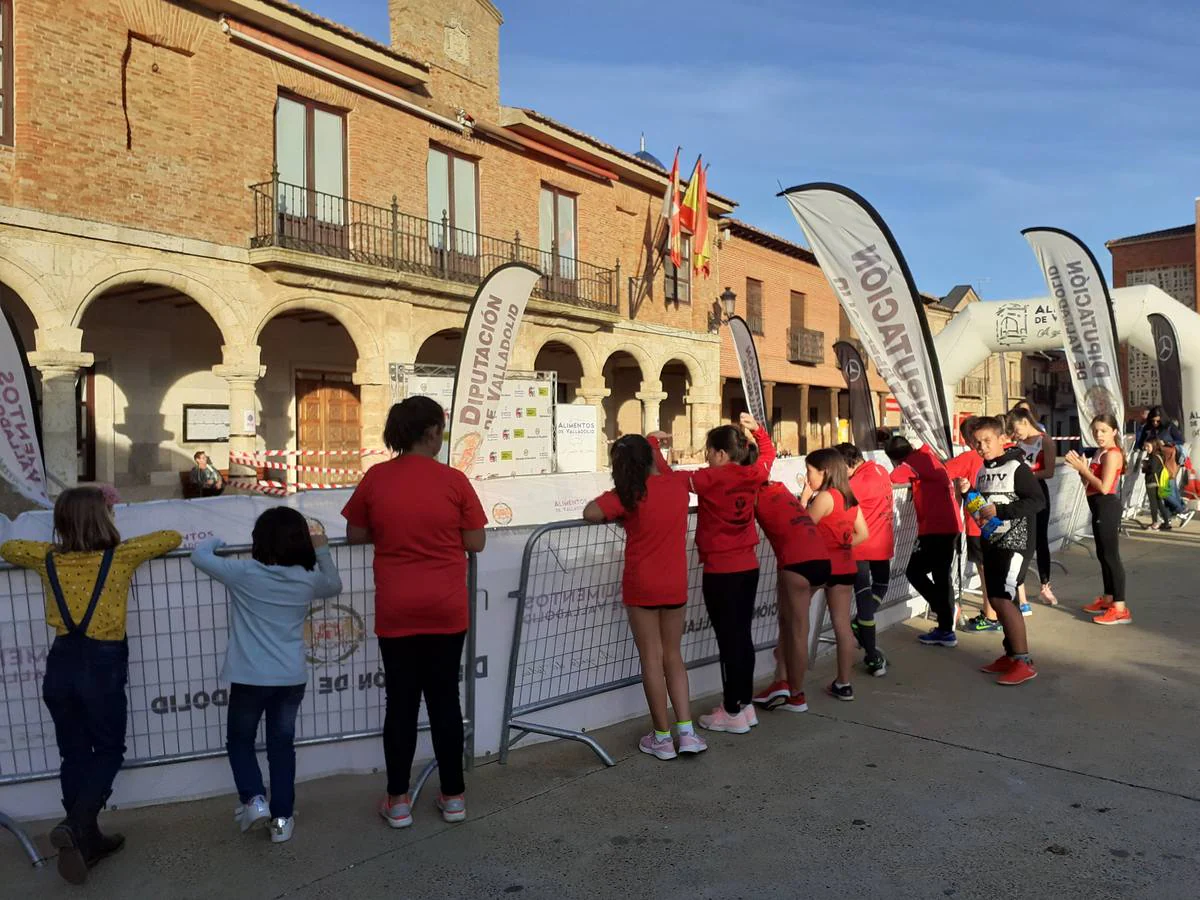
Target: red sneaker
{"type": "Point", "coordinates": [1099, 605]}
{"type": "Point", "coordinates": [999, 667]}
{"type": "Point", "coordinates": [795, 703]}
{"type": "Point", "coordinates": [1018, 673]}
{"type": "Point", "coordinates": [773, 695]}
{"type": "Point", "coordinates": [1114, 616]}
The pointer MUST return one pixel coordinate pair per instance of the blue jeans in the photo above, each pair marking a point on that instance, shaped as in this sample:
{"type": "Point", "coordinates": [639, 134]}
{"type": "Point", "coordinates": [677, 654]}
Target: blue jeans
{"type": "Point", "coordinates": [247, 703]}
{"type": "Point", "coordinates": [84, 690]}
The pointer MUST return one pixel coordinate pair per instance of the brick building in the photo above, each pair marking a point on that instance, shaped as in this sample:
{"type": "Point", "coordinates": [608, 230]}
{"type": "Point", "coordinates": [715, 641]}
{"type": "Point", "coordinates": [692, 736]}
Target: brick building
{"type": "Point", "coordinates": [237, 203]}
{"type": "Point", "coordinates": [1166, 259]}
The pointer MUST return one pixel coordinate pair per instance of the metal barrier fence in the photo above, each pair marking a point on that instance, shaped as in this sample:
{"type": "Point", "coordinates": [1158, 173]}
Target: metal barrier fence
{"type": "Point", "coordinates": [178, 629]}
{"type": "Point", "coordinates": [570, 637]}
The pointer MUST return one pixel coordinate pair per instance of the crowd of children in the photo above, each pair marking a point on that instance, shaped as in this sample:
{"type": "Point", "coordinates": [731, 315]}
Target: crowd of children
{"type": "Point", "coordinates": [837, 535]}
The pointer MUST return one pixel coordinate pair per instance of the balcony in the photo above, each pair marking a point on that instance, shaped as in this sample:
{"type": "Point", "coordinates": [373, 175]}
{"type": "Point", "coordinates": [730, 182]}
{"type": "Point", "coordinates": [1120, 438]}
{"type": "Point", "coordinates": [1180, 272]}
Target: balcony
{"type": "Point", "coordinates": [290, 217]}
{"type": "Point", "coordinates": [806, 346]}
{"type": "Point", "coordinates": [972, 387]}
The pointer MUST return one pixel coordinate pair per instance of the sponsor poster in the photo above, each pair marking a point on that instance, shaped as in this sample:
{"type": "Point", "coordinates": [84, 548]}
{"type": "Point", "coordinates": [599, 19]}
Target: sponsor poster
{"type": "Point", "coordinates": [575, 430]}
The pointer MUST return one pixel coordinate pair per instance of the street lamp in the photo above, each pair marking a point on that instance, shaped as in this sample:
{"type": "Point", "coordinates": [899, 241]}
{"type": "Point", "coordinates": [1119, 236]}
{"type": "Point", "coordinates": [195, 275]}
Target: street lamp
{"type": "Point", "coordinates": [728, 303]}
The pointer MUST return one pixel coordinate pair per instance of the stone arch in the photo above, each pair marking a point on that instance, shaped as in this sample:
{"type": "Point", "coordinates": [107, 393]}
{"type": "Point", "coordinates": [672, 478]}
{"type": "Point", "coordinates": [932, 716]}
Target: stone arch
{"type": "Point", "coordinates": [689, 362]}
{"type": "Point", "coordinates": [640, 356]}
{"type": "Point", "coordinates": [46, 308]}
{"type": "Point", "coordinates": [587, 356]}
{"type": "Point", "coordinates": [211, 301]}
{"type": "Point", "coordinates": [360, 331]}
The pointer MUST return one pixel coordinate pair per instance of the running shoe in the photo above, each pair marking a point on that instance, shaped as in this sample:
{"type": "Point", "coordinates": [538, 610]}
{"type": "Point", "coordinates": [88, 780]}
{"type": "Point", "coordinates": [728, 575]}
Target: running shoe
{"type": "Point", "coordinates": [1018, 673]}
{"type": "Point", "coordinates": [453, 809]}
{"type": "Point", "coordinates": [281, 829]}
{"type": "Point", "coordinates": [398, 814]}
{"type": "Point", "coordinates": [795, 703]}
{"type": "Point", "coordinates": [773, 695]}
{"type": "Point", "coordinates": [1114, 616]}
{"type": "Point", "coordinates": [692, 743]}
{"type": "Point", "coordinates": [664, 749]}
{"type": "Point", "coordinates": [982, 623]}
{"type": "Point", "coordinates": [840, 691]}
{"type": "Point", "coordinates": [1048, 596]}
{"type": "Point", "coordinates": [751, 715]}
{"type": "Point", "coordinates": [1001, 665]}
{"type": "Point", "coordinates": [877, 664]}
{"type": "Point", "coordinates": [720, 720]}
{"type": "Point", "coordinates": [252, 814]}
{"type": "Point", "coordinates": [1026, 610]}
{"type": "Point", "coordinates": [1099, 605]}
{"type": "Point", "coordinates": [938, 638]}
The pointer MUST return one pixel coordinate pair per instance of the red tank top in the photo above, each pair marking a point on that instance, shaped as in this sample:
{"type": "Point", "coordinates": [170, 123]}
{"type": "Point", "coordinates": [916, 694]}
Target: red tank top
{"type": "Point", "coordinates": [1097, 468]}
{"type": "Point", "coordinates": [837, 530]}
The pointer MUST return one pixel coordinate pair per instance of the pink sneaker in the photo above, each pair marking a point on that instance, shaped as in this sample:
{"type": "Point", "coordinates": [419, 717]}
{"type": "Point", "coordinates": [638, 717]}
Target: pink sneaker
{"type": "Point", "coordinates": [720, 720]}
{"type": "Point", "coordinates": [664, 749]}
{"type": "Point", "coordinates": [751, 715]}
{"type": "Point", "coordinates": [692, 743]}
{"type": "Point", "coordinates": [398, 814]}
{"type": "Point", "coordinates": [1048, 596]}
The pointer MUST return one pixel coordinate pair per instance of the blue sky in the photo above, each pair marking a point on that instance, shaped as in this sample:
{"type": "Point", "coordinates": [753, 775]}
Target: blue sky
{"type": "Point", "coordinates": [961, 122]}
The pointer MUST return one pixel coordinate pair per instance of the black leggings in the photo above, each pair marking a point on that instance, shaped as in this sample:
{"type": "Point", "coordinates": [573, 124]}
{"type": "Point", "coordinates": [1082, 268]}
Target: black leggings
{"type": "Point", "coordinates": [729, 598]}
{"type": "Point", "coordinates": [1043, 537]}
{"type": "Point", "coordinates": [425, 664]}
{"type": "Point", "coordinates": [870, 589]}
{"type": "Point", "coordinates": [1106, 522]}
{"type": "Point", "coordinates": [929, 572]}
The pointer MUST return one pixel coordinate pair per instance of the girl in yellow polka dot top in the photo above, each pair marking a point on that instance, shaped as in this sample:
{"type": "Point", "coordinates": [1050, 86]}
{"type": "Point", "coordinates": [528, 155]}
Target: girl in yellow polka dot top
{"type": "Point", "coordinates": [86, 574]}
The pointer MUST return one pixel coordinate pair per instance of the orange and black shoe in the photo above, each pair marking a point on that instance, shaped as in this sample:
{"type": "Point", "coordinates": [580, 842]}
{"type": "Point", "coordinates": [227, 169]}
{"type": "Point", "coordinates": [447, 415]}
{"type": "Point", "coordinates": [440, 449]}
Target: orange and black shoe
{"type": "Point", "coordinates": [1018, 673]}
{"type": "Point", "coordinates": [1114, 616]}
{"type": "Point", "coordinates": [1099, 605]}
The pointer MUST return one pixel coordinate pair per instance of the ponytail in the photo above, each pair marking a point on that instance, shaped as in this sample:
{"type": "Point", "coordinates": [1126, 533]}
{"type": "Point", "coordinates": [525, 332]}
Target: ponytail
{"type": "Point", "coordinates": [632, 463]}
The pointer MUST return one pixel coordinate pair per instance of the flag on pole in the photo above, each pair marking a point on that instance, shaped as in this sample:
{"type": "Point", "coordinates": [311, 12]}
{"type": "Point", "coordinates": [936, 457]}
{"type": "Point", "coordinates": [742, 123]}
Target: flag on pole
{"type": "Point", "coordinates": [701, 248]}
{"type": "Point", "coordinates": [689, 212]}
{"type": "Point", "coordinates": [671, 211]}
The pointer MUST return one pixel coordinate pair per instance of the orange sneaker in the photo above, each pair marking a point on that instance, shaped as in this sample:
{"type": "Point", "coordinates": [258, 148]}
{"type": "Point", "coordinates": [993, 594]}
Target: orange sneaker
{"type": "Point", "coordinates": [999, 667]}
{"type": "Point", "coordinates": [1018, 673]}
{"type": "Point", "coordinates": [1099, 605]}
{"type": "Point", "coordinates": [1114, 616]}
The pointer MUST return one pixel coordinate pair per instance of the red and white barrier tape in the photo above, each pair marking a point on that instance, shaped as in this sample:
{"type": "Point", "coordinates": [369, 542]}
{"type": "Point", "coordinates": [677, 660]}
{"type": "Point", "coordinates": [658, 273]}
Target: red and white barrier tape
{"type": "Point", "coordinates": [366, 451]}
{"type": "Point", "coordinates": [244, 459]}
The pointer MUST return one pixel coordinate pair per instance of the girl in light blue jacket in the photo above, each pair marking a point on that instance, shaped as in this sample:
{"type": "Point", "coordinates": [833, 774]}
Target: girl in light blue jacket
{"type": "Point", "coordinates": [269, 598]}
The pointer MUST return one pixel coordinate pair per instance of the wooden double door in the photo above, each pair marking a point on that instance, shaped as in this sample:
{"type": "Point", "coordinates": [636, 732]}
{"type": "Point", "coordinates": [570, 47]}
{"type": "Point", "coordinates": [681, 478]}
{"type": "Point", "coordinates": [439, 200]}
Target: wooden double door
{"type": "Point", "coordinates": [328, 419]}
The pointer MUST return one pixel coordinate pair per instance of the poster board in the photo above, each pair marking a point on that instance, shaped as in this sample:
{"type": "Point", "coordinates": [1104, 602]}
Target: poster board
{"type": "Point", "coordinates": [575, 428]}
{"type": "Point", "coordinates": [520, 441]}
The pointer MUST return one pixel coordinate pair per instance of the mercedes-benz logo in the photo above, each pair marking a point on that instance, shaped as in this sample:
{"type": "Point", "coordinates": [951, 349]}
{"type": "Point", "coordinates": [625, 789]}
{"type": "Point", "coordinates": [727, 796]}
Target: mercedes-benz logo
{"type": "Point", "coordinates": [1166, 347]}
{"type": "Point", "coordinates": [853, 370]}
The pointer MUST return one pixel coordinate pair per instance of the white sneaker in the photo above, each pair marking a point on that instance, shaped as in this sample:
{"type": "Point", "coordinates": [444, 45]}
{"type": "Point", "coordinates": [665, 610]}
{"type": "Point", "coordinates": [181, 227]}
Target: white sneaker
{"type": "Point", "coordinates": [281, 830]}
{"type": "Point", "coordinates": [751, 715]}
{"type": "Point", "coordinates": [253, 814]}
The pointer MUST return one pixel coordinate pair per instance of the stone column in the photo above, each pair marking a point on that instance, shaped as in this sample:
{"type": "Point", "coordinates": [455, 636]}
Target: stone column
{"type": "Point", "coordinates": [705, 415]}
{"type": "Point", "coordinates": [241, 371]}
{"type": "Point", "coordinates": [768, 404]}
{"type": "Point", "coordinates": [805, 426]}
{"type": "Point", "coordinates": [375, 400]}
{"type": "Point", "coordinates": [60, 372]}
{"type": "Point", "coordinates": [592, 391]}
{"type": "Point", "coordinates": [652, 396]}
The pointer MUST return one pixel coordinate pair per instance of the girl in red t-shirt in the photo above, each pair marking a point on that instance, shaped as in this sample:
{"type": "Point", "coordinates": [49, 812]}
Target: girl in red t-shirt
{"type": "Point", "coordinates": [653, 508]}
{"type": "Point", "coordinates": [832, 505]}
{"type": "Point", "coordinates": [803, 567]}
{"type": "Point", "coordinates": [727, 542]}
{"type": "Point", "coordinates": [1102, 479]}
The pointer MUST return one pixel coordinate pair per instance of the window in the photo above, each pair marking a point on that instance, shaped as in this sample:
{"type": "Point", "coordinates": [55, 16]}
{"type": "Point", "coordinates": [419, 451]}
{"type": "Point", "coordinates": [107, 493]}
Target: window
{"type": "Point", "coordinates": [677, 280]}
{"type": "Point", "coordinates": [6, 73]}
{"type": "Point", "coordinates": [754, 310]}
{"type": "Point", "coordinates": [556, 232]}
{"type": "Point", "coordinates": [798, 302]}
{"type": "Point", "coordinates": [453, 188]}
{"type": "Point", "coordinates": [310, 156]}
{"type": "Point", "coordinates": [845, 332]}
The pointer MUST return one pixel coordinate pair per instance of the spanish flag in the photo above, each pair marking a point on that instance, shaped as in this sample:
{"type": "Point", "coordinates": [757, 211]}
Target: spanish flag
{"type": "Point", "coordinates": [701, 247]}
{"type": "Point", "coordinates": [689, 212]}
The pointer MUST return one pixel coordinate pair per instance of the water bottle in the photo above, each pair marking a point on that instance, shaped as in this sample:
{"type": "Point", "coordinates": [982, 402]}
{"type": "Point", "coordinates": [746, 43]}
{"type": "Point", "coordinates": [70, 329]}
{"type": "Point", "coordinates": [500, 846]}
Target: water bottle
{"type": "Point", "coordinates": [975, 502]}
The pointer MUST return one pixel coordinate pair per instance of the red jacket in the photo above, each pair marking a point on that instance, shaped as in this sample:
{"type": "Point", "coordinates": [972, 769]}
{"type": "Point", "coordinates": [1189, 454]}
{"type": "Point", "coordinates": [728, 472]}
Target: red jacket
{"type": "Point", "coordinates": [725, 533]}
{"type": "Point", "coordinates": [933, 494]}
{"type": "Point", "coordinates": [784, 520]}
{"type": "Point", "coordinates": [966, 465]}
{"type": "Point", "coordinates": [872, 487]}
